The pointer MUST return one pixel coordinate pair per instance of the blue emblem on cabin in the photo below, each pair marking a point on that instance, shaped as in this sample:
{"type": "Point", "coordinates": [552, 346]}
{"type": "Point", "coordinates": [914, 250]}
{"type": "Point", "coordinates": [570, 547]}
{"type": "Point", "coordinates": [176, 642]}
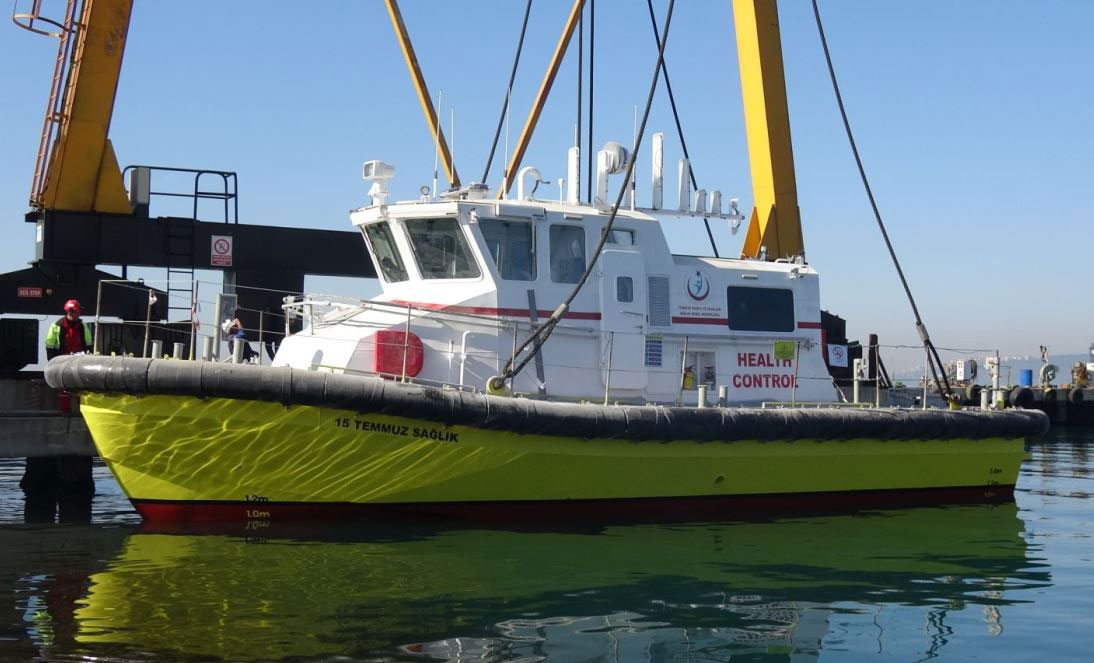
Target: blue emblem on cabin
{"type": "Point", "coordinates": [698, 286]}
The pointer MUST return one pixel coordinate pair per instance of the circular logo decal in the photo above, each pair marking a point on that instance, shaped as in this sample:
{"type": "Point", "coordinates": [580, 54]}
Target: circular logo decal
{"type": "Point", "coordinates": [838, 352]}
{"type": "Point", "coordinates": [698, 286]}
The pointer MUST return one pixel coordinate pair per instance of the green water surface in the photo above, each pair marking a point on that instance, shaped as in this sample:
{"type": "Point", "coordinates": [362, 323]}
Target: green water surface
{"type": "Point", "coordinates": [1008, 582]}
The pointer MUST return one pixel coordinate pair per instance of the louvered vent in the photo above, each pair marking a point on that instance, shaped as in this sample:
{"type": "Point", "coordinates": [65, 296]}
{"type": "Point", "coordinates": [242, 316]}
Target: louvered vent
{"type": "Point", "coordinates": [659, 301]}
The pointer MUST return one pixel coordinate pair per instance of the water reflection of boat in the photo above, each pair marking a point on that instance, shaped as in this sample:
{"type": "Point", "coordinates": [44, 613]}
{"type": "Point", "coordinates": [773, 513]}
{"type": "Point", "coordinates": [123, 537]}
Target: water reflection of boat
{"type": "Point", "coordinates": [43, 576]}
{"type": "Point", "coordinates": [742, 587]}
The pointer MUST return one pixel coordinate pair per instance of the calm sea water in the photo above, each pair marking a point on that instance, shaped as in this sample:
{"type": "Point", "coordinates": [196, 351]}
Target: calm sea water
{"type": "Point", "coordinates": [1011, 582]}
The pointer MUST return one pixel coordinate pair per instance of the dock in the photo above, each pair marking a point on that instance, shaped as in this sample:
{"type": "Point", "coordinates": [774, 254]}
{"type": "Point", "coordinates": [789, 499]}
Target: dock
{"type": "Point", "coordinates": [35, 423]}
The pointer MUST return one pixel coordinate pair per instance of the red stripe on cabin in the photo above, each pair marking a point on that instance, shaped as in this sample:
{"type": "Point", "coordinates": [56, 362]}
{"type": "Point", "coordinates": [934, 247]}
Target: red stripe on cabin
{"type": "Point", "coordinates": [809, 325]}
{"type": "Point", "coordinates": [686, 320]}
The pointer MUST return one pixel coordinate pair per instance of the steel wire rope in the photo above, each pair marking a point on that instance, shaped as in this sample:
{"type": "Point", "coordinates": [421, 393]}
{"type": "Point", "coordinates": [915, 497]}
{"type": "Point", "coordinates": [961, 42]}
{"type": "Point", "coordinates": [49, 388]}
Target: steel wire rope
{"type": "Point", "coordinates": [508, 97]}
{"type": "Point", "coordinates": [676, 118]}
{"type": "Point", "coordinates": [943, 385]}
{"type": "Point", "coordinates": [592, 55]}
{"type": "Point", "coordinates": [540, 335]}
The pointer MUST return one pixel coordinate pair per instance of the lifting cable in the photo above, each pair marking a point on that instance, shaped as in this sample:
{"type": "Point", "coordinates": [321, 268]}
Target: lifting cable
{"type": "Point", "coordinates": [943, 385]}
{"type": "Point", "coordinates": [540, 335]}
{"type": "Point", "coordinates": [592, 56]}
{"type": "Point", "coordinates": [676, 117]}
{"type": "Point", "coordinates": [508, 96]}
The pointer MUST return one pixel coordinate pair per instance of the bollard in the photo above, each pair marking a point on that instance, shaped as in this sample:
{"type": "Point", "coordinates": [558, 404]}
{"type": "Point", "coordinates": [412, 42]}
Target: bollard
{"type": "Point", "coordinates": [985, 399]}
{"type": "Point", "coordinates": [177, 350]}
{"type": "Point", "coordinates": [237, 351]}
{"type": "Point", "coordinates": [723, 395]}
{"type": "Point", "coordinates": [206, 348]}
{"type": "Point", "coordinates": [157, 349]}
{"type": "Point", "coordinates": [702, 395]}
{"type": "Point", "coordinates": [856, 373]}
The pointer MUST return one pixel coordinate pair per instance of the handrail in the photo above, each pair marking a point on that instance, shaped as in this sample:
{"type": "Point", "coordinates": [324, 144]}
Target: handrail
{"type": "Point", "coordinates": [229, 178]}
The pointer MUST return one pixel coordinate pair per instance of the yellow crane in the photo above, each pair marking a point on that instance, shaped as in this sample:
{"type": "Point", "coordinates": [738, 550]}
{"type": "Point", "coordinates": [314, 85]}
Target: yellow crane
{"type": "Point", "coordinates": [76, 168]}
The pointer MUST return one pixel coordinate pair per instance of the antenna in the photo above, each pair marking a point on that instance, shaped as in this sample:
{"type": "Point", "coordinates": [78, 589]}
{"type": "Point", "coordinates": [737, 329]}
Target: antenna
{"type": "Point", "coordinates": [452, 136]}
{"type": "Point", "coordinates": [657, 152]}
{"type": "Point", "coordinates": [634, 173]}
{"type": "Point", "coordinates": [684, 191]}
{"type": "Point", "coordinates": [505, 168]}
{"type": "Point", "coordinates": [437, 128]}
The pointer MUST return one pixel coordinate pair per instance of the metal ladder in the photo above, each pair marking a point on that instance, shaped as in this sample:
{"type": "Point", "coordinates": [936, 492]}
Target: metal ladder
{"type": "Point", "coordinates": [181, 248]}
{"type": "Point", "coordinates": [180, 271]}
{"type": "Point", "coordinates": [65, 31]}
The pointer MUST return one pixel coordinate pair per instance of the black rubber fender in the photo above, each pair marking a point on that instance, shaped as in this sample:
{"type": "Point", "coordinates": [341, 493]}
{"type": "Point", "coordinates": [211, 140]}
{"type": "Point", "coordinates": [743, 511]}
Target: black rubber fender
{"type": "Point", "coordinates": [640, 423]}
{"type": "Point", "coordinates": [972, 394]}
{"type": "Point", "coordinates": [1021, 397]}
{"type": "Point", "coordinates": [1075, 396]}
{"type": "Point", "coordinates": [1048, 396]}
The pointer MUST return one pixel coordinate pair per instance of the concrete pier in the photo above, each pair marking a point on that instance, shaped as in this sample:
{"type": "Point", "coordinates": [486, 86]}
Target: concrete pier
{"type": "Point", "coordinates": [35, 424]}
{"type": "Point", "coordinates": [41, 434]}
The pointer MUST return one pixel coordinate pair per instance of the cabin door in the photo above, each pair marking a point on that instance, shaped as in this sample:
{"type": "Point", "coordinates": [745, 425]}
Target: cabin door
{"type": "Point", "coordinates": [623, 319]}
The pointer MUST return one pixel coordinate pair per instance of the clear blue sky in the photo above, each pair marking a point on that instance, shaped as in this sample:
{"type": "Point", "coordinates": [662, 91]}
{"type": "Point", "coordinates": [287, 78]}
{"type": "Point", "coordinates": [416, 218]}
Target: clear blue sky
{"type": "Point", "coordinates": [973, 119]}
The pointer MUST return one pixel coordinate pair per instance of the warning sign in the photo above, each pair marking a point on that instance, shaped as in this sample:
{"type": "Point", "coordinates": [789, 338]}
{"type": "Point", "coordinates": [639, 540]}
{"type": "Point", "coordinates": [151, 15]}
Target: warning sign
{"type": "Point", "coordinates": [837, 355]}
{"type": "Point", "coordinates": [221, 253]}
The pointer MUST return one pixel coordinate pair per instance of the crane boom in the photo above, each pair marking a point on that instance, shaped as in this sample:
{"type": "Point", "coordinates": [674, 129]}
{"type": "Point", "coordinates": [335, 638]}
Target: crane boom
{"type": "Point", "coordinates": [423, 92]}
{"type": "Point", "coordinates": [82, 172]}
{"type": "Point", "coordinates": [775, 225]}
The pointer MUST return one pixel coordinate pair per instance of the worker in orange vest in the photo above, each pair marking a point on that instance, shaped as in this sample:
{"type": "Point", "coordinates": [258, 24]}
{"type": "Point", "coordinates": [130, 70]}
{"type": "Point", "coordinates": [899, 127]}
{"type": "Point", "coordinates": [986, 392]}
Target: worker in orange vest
{"type": "Point", "coordinates": [69, 335]}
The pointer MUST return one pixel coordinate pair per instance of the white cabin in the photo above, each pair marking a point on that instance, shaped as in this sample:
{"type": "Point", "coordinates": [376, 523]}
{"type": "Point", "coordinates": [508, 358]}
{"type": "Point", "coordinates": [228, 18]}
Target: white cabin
{"type": "Point", "coordinates": [469, 276]}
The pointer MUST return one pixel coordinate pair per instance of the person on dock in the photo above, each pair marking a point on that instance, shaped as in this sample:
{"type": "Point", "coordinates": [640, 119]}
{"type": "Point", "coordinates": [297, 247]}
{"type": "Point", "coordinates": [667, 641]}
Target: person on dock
{"type": "Point", "coordinates": [236, 334]}
{"type": "Point", "coordinates": [69, 335]}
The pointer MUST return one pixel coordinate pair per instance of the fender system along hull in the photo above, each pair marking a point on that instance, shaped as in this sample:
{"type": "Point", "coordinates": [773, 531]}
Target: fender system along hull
{"type": "Point", "coordinates": [205, 456]}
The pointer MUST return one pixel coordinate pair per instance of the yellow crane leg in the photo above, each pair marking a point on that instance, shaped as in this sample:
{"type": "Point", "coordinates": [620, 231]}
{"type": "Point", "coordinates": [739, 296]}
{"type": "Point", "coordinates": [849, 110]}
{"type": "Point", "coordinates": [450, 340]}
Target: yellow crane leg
{"type": "Point", "coordinates": [541, 96]}
{"type": "Point", "coordinates": [83, 173]}
{"type": "Point", "coordinates": [775, 224]}
{"type": "Point", "coordinates": [423, 93]}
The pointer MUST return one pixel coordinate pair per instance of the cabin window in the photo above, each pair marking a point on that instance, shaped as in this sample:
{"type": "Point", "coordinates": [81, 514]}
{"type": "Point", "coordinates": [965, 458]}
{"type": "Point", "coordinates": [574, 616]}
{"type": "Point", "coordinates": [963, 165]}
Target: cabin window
{"type": "Point", "coordinates": [511, 247]}
{"type": "Point", "coordinates": [621, 236]}
{"type": "Point", "coordinates": [624, 289]}
{"type": "Point", "coordinates": [567, 253]}
{"type": "Point", "coordinates": [761, 309]}
{"type": "Point", "coordinates": [385, 252]}
{"type": "Point", "coordinates": [441, 249]}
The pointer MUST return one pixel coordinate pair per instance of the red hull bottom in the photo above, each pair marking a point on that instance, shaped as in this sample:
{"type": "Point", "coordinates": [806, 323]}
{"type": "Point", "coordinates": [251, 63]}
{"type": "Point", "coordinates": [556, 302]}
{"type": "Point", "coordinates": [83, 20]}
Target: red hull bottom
{"type": "Point", "coordinates": [744, 507]}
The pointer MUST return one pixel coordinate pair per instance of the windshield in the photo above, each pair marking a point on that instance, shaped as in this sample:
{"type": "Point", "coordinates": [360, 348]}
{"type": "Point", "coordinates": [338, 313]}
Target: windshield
{"type": "Point", "coordinates": [385, 252]}
{"type": "Point", "coordinates": [440, 249]}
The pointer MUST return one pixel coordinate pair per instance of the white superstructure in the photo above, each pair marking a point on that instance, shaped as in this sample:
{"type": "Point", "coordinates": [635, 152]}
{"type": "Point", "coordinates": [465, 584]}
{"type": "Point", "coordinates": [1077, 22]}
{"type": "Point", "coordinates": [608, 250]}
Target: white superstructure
{"type": "Point", "coordinates": [469, 276]}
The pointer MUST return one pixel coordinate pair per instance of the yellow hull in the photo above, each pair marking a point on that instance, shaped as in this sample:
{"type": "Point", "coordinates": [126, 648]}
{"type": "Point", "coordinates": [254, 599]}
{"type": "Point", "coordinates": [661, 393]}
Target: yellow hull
{"type": "Point", "coordinates": [251, 459]}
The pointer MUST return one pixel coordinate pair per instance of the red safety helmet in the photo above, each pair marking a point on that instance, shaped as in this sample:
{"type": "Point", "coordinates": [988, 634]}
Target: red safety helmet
{"type": "Point", "coordinates": [72, 305]}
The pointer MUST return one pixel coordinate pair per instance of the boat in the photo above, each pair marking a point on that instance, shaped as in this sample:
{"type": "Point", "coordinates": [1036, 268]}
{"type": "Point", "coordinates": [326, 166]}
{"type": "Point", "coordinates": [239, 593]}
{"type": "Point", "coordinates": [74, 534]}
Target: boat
{"type": "Point", "coordinates": [538, 356]}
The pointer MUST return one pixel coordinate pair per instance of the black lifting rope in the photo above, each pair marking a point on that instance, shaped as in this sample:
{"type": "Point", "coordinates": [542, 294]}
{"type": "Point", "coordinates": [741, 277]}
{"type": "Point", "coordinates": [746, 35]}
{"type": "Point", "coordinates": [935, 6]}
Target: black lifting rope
{"type": "Point", "coordinates": [540, 335]}
{"type": "Point", "coordinates": [508, 95]}
{"type": "Point", "coordinates": [676, 117]}
{"type": "Point", "coordinates": [943, 385]}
